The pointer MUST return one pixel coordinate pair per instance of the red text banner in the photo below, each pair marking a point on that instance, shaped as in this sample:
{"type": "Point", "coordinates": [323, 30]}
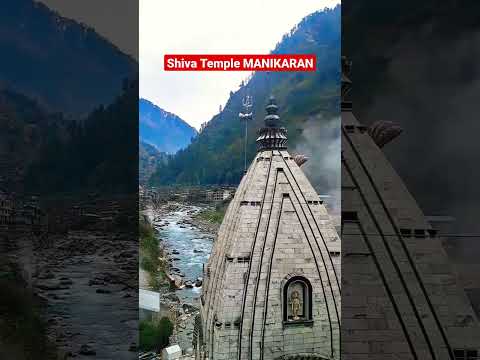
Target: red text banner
{"type": "Point", "coordinates": [270, 62]}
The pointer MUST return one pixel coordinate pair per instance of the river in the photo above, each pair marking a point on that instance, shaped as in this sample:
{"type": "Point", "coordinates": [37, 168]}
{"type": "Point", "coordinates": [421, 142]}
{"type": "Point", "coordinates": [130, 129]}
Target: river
{"type": "Point", "coordinates": [188, 247]}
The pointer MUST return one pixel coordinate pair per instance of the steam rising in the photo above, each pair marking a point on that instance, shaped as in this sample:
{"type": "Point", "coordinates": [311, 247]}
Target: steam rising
{"type": "Point", "coordinates": [432, 87]}
{"type": "Point", "coordinates": [320, 142]}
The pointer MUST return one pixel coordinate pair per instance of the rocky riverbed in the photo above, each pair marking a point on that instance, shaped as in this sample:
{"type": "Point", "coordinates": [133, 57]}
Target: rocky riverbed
{"type": "Point", "coordinates": [187, 242]}
{"type": "Point", "coordinates": [87, 279]}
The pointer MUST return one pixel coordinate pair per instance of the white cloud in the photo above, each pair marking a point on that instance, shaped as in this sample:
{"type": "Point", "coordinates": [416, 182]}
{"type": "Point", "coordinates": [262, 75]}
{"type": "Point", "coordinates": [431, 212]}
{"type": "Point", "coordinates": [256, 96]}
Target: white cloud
{"type": "Point", "coordinates": [208, 26]}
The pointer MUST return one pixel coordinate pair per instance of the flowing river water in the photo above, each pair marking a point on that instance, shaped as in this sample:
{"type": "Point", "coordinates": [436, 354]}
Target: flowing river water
{"type": "Point", "coordinates": [188, 247]}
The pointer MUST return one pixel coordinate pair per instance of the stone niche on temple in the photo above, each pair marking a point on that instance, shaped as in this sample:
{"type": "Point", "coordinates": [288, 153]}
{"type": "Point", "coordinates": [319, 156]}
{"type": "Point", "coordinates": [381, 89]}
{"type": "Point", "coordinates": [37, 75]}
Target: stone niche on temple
{"type": "Point", "coordinates": [297, 300]}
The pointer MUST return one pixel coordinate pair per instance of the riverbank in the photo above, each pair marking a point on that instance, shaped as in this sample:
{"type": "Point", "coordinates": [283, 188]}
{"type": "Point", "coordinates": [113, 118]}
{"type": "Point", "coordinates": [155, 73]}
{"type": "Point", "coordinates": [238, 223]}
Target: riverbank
{"type": "Point", "coordinates": [152, 257]}
{"type": "Point", "coordinates": [209, 219]}
{"type": "Point", "coordinates": [186, 241]}
{"type": "Point", "coordinates": [86, 284]}
{"type": "Point", "coordinates": [23, 328]}
{"type": "Point", "coordinates": [205, 217]}
{"type": "Point", "coordinates": [178, 242]}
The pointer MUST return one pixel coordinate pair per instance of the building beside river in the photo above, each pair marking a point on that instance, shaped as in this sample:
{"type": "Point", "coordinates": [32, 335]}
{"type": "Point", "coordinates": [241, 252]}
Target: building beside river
{"type": "Point", "coordinates": [219, 194]}
{"type": "Point", "coordinates": [272, 284]}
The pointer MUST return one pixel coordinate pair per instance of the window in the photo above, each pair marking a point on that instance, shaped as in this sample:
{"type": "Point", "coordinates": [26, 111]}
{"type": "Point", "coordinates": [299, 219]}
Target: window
{"type": "Point", "coordinates": [349, 216]}
{"type": "Point", "coordinates": [243, 259]}
{"type": "Point", "coordinates": [350, 128]}
{"type": "Point", "coordinates": [362, 128]}
{"type": "Point", "coordinates": [432, 232]}
{"type": "Point", "coordinates": [297, 300]}
{"type": "Point", "coordinates": [406, 232]}
{"type": "Point", "coordinates": [465, 354]}
{"type": "Point", "coordinates": [420, 233]}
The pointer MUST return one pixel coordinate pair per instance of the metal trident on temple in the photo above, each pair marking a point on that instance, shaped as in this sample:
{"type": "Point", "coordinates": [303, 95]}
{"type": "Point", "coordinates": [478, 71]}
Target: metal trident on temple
{"type": "Point", "coordinates": [246, 115]}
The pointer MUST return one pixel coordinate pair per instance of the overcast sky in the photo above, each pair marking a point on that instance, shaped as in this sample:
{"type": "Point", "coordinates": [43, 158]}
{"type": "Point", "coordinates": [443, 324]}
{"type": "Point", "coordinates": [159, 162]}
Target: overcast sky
{"type": "Point", "coordinates": [214, 26]}
{"type": "Point", "coordinates": [190, 26]}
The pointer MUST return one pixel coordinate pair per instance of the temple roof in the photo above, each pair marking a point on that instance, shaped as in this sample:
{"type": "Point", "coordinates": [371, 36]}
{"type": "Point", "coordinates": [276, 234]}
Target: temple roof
{"type": "Point", "coordinates": [272, 135]}
{"type": "Point", "coordinates": [275, 229]}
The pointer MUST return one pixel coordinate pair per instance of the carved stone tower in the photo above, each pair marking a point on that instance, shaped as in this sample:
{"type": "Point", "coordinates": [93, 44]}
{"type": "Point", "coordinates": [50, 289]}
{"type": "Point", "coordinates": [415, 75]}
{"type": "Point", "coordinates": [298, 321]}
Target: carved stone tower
{"type": "Point", "coordinates": [272, 283]}
{"type": "Point", "coordinates": [402, 298]}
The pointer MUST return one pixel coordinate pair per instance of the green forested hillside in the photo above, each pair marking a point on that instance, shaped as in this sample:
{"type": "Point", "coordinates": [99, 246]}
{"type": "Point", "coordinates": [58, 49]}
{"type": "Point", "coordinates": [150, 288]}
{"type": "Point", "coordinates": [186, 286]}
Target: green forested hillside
{"type": "Point", "coordinates": [148, 159]}
{"type": "Point", "coordinates": [96, 154]}
{"type": "Point", "coordinates": [216, 155]}
{"type": "Point", "coordinates": [62, 64]}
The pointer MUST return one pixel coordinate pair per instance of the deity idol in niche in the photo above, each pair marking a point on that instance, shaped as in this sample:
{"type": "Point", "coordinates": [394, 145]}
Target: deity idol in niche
{"type": "Point", "coordinates": [295, 305]}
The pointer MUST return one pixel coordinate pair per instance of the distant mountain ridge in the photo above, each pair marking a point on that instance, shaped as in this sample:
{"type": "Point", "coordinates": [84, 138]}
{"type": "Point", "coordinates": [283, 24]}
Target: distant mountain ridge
{"type": "Point", "coordinates": [63, 65]}
{"type": "Point", "coordinates": [304, 99]}
{"type": "Point", "coordinates": [162, 129]}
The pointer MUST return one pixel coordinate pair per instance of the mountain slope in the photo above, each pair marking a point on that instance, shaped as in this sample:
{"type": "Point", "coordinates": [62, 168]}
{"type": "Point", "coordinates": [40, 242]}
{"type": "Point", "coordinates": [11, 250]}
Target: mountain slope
{"type": "Point", "coordinates": [148, 160]}
{"type": "Point", "coordinates": [164, 130]}
{"type": "Point", "coordinates": [24, 129]}
{"type": "Point", "coordinates": [63, 65]}
{"type": "Point", "coordinates": [216, 154]}
{"type": "Point", "coordinates": [97, 154]}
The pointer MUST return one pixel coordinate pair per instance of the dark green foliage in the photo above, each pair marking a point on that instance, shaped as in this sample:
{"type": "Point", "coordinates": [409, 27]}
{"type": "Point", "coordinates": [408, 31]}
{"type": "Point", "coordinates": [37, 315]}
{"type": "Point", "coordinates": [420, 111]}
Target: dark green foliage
{"type": "Point", "coordinates": [212, 215]}
{"type": "Point", "coordinates": [150, 254]}
{"type": "Point", "coordinates": [22, 329]}
{"type": "Point", "coordinates": [65, 65]}
{"type": "Point", "coordinates": [216, 214]}
{"type": "Point", "coordinates": [216, 154]}
{"type": "Point", "coordinates": [148, 159]}
{"type": "Point", "coordinates": [154, 336]}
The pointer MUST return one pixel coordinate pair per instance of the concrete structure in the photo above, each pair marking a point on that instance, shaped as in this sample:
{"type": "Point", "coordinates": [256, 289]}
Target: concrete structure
{"type": "Point", "coordinates": [218, 195]}
{"type": "Point", "coordinates": [149, 304]}
{"type": "Point", "coordinates": [271, 287]}
{"type": "Point", "coordinates": [401, 298]}
{"type": "Point", "coordinates": [172, 353]}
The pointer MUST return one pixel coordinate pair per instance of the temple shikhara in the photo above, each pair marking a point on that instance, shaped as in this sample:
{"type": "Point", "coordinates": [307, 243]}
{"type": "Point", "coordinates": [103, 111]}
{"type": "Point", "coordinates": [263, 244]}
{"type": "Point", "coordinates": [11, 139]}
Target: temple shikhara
{"type": "Point", "coordinates": [402, 298]}
{"type": "Point", "coordinates": [272, 284]}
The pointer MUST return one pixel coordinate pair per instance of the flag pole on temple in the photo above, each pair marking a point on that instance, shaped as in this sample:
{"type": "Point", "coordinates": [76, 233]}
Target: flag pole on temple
{"type": "Point", "coordinates": [246, 115]}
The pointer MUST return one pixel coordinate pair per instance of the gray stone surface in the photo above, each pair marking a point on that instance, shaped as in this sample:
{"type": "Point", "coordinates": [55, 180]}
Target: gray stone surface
{"type": "Point", "coordinates": [267, 237]}
{"type": "Point", "coordinates": [401, 298]}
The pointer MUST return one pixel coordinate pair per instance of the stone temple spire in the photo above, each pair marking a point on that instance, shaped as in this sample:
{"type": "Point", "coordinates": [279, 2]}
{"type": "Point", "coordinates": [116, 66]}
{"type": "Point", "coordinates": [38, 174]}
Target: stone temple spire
{"type": "Point", "coordinates": [271, 288]}
{"type": "Point", "coordinates": [404, 269]}
{"type": "Point", "coordinates": [272, 136]}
